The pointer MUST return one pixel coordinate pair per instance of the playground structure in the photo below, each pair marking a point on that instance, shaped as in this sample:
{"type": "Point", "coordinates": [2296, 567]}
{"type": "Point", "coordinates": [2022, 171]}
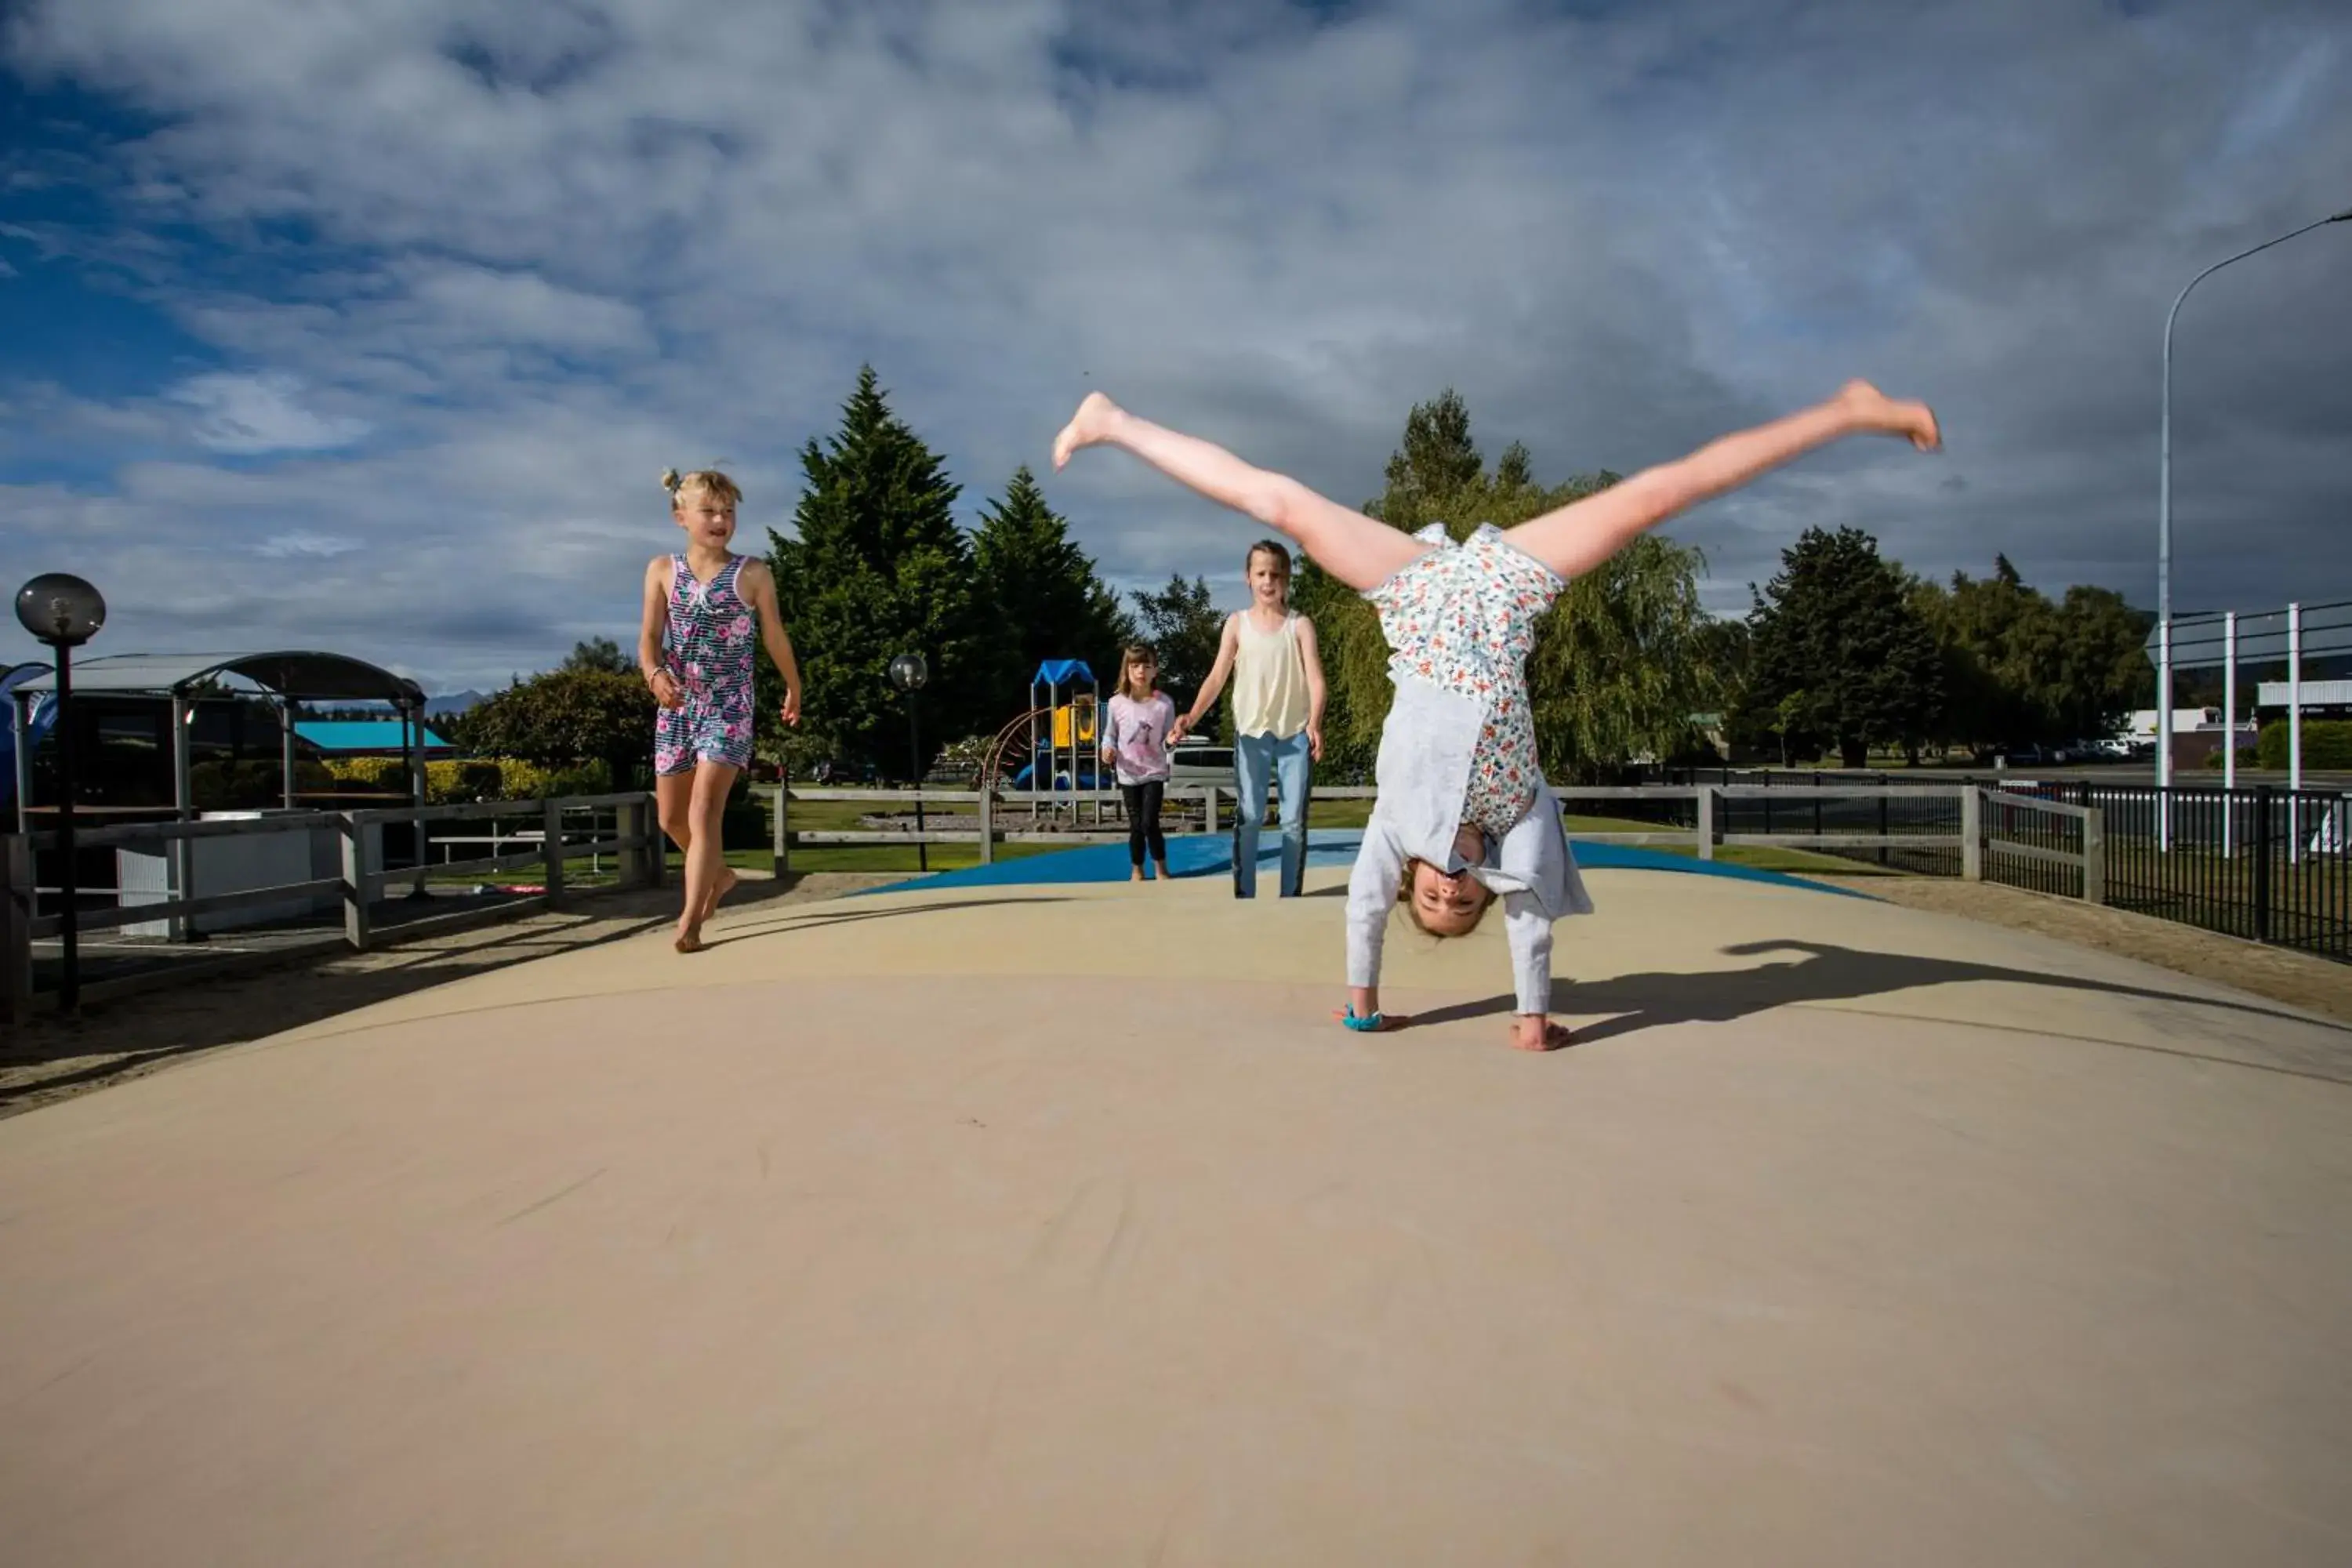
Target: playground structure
{"type": "Point", "coordinates": [1051, 751]}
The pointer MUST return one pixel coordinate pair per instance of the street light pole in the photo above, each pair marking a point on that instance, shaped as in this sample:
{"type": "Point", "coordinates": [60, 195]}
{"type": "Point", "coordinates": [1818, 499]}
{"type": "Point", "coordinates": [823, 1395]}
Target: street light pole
{"type": "Point", "coordinates": [2164, 536]}
{"type": "Point", "coordinates": [64, 612]}
{"type": "Point", "coordinates": [908, 673]}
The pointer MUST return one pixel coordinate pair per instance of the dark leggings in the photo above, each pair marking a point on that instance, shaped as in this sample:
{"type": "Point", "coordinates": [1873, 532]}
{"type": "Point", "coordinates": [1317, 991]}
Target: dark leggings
{"type": "Point", "coordinates": [1143, 821]}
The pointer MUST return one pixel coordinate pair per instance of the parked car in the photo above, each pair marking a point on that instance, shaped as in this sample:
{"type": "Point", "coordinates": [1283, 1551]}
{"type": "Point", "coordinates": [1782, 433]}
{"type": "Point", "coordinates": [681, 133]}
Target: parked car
{"type": "Point", "coordinates": [1196, 766]}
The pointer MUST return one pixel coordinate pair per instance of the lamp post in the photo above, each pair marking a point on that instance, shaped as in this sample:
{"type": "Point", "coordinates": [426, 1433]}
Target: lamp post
{"type": "Point", "coordinates": [2164, 538]}
{"type": "Point", "coordinates": [64, 612]}
{"type": "Point", "coordinates": [908, 673]}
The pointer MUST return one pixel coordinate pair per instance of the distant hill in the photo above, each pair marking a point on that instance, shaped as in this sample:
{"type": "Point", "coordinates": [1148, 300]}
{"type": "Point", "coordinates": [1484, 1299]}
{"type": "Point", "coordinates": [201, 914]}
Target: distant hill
{"type": "Point", "coordinates": [455, 702]}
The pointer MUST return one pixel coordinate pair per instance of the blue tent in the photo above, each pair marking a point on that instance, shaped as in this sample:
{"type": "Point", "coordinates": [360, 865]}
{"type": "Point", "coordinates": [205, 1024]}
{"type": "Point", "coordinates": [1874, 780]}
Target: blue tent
{"type": "Point", "coordinates": [36, 726]}
{"type": "Point", "coordinates": [1064, 672]}
{"type": "Point", "coordinates": [346, 736]}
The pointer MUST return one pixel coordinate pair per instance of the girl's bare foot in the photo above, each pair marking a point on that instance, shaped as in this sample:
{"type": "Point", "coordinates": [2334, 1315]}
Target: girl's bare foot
{"type": "Point", "coordinates": [1135, 874]}
{"type": "Point", "coordinates": [689, 937]}
{"type": "Point", "coordinates": [1089, 425]}
{"type": "Point", "coordinates": [1160, 868]}
{"type": "Point", "coordinates": [1529, 1032]}
{"type": "Point", "coordinates": [719, 890]}
{"type": "Point", "coordinates": [1873, 410]}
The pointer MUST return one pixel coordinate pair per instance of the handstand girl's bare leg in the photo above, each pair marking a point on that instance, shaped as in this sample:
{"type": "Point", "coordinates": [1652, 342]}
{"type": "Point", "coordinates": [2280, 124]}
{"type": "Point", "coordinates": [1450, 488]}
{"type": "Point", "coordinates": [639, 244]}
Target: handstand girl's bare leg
{"type": "Point", "coordinates": [1359, 551]}
{"type": "Point", "coordinates": [1582, 535]}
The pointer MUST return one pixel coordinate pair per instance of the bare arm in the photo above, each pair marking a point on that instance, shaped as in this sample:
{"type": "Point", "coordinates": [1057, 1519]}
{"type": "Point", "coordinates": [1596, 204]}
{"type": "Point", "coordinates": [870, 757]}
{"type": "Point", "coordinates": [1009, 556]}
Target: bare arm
{"type": "Point", "coordinates": [1582, 535]}
{"type": "Point", "coordinates": [1228, 644]}
{"type": "Point", "coordinates": [650, 627]}
{"type": "Point", "coordinates": [1315, 691]}
{"type": "Point", "coordinates": [760, 584]}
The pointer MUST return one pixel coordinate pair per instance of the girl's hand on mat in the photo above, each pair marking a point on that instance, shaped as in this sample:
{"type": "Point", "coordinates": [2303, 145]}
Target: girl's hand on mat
{"type": "Point", "coordinates": [1531, 1033]}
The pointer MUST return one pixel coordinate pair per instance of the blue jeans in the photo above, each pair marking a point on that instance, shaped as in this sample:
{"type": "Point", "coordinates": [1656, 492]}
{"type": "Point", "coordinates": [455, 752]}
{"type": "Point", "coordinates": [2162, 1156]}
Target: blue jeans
{"type": "Point", "coordinates": [1258, 761]}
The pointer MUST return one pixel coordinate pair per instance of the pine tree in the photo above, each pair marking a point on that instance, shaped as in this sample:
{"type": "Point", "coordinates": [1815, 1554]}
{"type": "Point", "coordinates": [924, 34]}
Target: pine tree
{"type": "Point", "coordinates": [1041, 592]}
{"type": "Point", "coordinates": [879, 568]}
{"type": "Point", "coordinates": [1841, 654]}
{"type": "Point", "coordinates": [1182, 624]}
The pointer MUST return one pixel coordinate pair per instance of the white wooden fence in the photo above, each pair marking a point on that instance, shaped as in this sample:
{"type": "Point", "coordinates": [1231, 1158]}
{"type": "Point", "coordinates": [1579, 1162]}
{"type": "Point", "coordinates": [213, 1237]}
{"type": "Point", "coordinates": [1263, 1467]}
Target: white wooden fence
{"type": "Point", "coordinates": [2022, 822]}
{"type": "Point", "coordinates": [2023, 830]}
{"type": "Point", "coordinates": [359, 883]}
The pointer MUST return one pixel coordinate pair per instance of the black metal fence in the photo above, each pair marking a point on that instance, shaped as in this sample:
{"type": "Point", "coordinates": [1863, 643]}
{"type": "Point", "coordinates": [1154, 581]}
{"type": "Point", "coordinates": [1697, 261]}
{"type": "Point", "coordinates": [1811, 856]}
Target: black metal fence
{"type": "Point", "coordinates": [2268, 865]}
{"type": "Point", "coordinates": [2265, 864]}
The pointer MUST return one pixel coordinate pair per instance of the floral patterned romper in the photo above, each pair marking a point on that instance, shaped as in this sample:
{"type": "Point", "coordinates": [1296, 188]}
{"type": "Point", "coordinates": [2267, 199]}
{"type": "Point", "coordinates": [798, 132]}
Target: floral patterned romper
{"type": "Point", "coordinates": [1464, 618]}
{"type": "Point", "coordinates": [706, 648]}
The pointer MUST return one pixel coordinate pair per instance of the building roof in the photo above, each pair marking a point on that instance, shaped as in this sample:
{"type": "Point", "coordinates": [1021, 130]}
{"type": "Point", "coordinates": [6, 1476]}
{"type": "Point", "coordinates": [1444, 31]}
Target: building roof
{"type": "Point", "coordinates": [305, 675]}
{"type": "Point", "coordinates": [362, 735]}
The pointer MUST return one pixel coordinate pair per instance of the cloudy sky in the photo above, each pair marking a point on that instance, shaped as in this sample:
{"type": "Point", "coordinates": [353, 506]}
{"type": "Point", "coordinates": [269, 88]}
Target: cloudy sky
{"type": "Point", "coordinates": [370, 326]}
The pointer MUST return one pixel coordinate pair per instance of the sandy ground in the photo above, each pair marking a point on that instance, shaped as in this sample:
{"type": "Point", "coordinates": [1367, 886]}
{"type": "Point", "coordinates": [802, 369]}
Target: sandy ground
{"type": "Point", "coordinates": [1060, 1225]}
{"type": "Point", "coordinates": [123, 1039]}
{"type": "Point", "coordinates": [56, 1058]}
{"type": "Point", "coordinates": [2295, 978]}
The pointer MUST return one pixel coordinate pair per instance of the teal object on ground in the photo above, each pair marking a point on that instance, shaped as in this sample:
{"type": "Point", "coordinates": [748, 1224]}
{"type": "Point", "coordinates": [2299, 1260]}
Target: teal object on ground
{"type": "Point", "coordinates": [1211, 855]}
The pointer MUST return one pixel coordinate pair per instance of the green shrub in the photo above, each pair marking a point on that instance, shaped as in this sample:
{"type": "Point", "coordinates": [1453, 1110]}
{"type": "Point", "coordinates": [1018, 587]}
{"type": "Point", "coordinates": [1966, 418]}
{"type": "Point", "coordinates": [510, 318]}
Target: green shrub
{"type": "Point", "coordinates": [2327, 744]}
{"type": "Point", "coordinates": [252, 784]}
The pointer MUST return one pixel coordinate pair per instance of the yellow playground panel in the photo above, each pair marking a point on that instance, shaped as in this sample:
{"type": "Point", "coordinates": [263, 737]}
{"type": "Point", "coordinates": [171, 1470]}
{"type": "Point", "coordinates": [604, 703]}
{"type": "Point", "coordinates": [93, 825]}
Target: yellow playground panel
{"type": "Point", "coordinates": [1079, 711]}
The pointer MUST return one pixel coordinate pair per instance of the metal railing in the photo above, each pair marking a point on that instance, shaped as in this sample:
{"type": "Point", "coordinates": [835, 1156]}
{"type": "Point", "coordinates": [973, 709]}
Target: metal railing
{"type": "Point", "coordinates": [1937, 828]}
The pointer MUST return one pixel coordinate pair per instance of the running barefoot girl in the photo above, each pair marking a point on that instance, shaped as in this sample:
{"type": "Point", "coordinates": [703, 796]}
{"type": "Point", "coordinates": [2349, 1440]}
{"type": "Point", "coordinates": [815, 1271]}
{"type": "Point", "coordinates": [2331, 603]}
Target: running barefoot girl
{"type": "Point", "coordinates": [695, 647]}
{"type": "Point", "coordinates": [1269, 652]}
{"type": "Point", "coordinates": [1135, 741]}
{"type": "Point", "coordinates": [1464, 816]}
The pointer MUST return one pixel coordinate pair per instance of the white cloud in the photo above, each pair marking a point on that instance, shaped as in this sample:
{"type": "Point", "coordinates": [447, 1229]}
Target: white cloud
{"type": "Point", "coordinates": [560, 247]}
{"type": "Point", "coordinates": [318, 546]}
{"type": "Point", "coordinates": [248, 415]}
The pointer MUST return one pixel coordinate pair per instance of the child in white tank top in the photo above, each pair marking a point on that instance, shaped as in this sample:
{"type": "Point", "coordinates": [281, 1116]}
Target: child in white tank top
{"type": "Point", "coordinates": [1269, 652]}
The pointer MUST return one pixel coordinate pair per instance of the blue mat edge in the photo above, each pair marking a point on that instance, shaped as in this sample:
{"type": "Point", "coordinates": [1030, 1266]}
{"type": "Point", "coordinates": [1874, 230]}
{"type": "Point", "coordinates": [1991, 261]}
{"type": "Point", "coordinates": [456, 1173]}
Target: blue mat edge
{"type": "Point", "coordinates": [1195, 854]}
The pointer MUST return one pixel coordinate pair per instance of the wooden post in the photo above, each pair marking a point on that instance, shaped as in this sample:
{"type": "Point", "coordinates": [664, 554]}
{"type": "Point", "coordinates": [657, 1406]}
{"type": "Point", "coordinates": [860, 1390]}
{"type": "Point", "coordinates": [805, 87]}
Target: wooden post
{"type": "Point", "coordinates": [355, 883]}
{"type": "Point", "coordinates": [1211, 793]}
{"type": "Point", "coordinates": [1707, 821]}
{"type": "Point", "coordinates": [629, 864]}
{"type": "Point", "coordinates": [987, 827]}
{"type": "Point", "coordinates": [779, 850]}
{"type": "Point", "coordinates": [550, 847]}
{"type": "Point", "coordinates": [2094, 856]}
{"type": "Point", "coordinates": [1971, 833]}
{"type": "Point", "coordinates": [17, 906]}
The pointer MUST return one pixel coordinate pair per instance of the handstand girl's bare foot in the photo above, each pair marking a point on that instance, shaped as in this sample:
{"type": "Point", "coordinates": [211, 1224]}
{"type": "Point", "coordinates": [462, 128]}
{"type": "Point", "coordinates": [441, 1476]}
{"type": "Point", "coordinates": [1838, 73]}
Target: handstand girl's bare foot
{"type": "Point", "coordinates": [1529, 1032]}
{"type": "Point", "coordinates": [1873, 410]}
{"type": "Point", "coordinates": [1089, 425]}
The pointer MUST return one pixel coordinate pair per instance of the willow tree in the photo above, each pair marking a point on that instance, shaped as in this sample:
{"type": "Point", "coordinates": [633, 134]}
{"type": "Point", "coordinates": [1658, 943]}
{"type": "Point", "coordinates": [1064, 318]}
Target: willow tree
{"type": "Point", "coordinates": [1622, 662]}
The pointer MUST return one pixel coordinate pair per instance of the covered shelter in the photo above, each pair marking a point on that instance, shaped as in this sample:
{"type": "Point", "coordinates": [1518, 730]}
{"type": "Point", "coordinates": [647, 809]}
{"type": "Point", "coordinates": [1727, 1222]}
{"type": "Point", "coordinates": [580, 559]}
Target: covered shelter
{"type": "Point", "coordinates": [288, 677]}
{"type": "Point", "coordinates": [372, 737]}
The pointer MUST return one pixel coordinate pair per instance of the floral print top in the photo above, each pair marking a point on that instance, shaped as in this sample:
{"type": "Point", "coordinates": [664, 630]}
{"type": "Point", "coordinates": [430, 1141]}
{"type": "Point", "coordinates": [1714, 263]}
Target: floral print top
{"type": "Point", "coordinates": [1463, 618]}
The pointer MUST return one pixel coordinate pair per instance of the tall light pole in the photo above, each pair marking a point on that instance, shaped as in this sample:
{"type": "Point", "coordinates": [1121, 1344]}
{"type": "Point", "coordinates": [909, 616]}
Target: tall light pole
{"type": "Point", "coordinates": [64, 612]}
{"type": "Point", "coordinates": [2164, 535]}
{"type": "Point", "coordinates": [908, 673]}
